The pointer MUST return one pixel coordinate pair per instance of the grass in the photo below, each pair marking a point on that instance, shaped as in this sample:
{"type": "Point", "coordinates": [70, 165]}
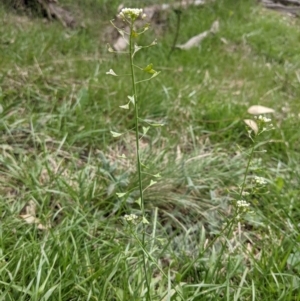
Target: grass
{"type": "Point", "coordinates": [57, 154]}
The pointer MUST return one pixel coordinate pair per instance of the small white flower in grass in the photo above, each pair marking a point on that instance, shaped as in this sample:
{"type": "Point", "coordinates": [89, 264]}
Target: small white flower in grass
{"type": "Point", "coordinates": [131, 218]}
{"type": "Point", "coordinates": [264, 123]}
{"type": "Point", "coordinates": [260, 181]}
{"type": "Point", "coordinates": [131, 13]}
{"type": "Point", "coordinates": [242, 207]}
{"type": "Point", "coordinates": [263, 119]}
{"type": "Point", "coordinates": [242, 204]}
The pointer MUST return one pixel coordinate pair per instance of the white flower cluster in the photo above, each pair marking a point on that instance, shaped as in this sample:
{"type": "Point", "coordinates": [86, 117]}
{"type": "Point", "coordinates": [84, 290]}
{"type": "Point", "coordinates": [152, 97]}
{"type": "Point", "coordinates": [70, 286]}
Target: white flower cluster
{"type": "Point", "coordinates": [242, 208]}
{"type": "Point", "coordinates": [260, 181]}
{"type": "Point", "coordinates": [244, 193]}
{"type": "Point", "coordinates": [242, 204]}
{"type": "Point", "coordinates": [264, 123]}
{"type": "Point", "coordinates": [131, 13]}
{"type": "Point", "coordinates": [131, 218]}
{"type": "Point", "coordinates": [263, 119]}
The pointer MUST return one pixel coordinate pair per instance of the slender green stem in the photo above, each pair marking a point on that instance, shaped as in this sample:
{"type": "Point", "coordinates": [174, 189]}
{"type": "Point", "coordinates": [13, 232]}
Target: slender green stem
{"type": "Point", "coordinates": [136, 117]}
{"type": "Point", "coordinates": [139, 166]}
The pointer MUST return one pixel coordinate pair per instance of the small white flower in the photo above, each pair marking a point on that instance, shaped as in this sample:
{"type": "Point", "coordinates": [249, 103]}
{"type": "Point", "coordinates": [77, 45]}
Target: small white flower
{"type": "Point", "coordinates": [264, 123]}
{"type": "Point", "coordinates": [263, 119]}
{"type": "Point", "coordinates": [242, 208]}
{"type": "Point", "coordinates": [260, 181]}
{"type": "Point", "coordinates": [245, 193]}
{"type": "Point", "coordinates": [131, 218]}
{"type": "Point", "coordinates": [242, 203]}
{"type": "Point", "coordinates": [131, 13]}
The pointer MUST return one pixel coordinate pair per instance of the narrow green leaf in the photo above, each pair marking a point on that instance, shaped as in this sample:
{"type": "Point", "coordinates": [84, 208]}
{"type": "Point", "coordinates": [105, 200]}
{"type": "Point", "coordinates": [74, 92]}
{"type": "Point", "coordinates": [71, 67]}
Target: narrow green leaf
{"type": "Point", "coordinates": [119, 293]}
{"type": "Point", "coordinates": [16, 287]}
{"type": "Point", "coordinates": [145, 80]}
{"type": "Point", "coordinates": [155, 74]}
{"type": "Point", "coordinates": [49, 293]}
{"type": "Point", "coordinates": [145, 166]}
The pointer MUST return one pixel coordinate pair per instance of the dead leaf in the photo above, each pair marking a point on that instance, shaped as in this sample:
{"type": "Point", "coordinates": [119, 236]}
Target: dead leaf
{"type": "Point", "coordinates": [29, 209]}
{"type": "Point", "coordinates": [28, 214]}
{"type": "Point", "coordinates": [29, 219]}
{"type": "Point", "coordinates": [42, 227]}
{"type": "Point", "coordinates": [257, 110]}
{"type": "Point", "coordinates": [252, 125]}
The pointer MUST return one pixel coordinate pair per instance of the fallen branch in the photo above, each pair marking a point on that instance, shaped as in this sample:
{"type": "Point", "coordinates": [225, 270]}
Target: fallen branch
{"type": "Point", "coordinates": [284, 7]}
{"type": "Point", "coordinates": [288, 2]}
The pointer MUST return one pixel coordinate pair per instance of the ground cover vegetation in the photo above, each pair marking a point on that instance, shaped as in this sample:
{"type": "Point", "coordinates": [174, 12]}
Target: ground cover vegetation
{"type": "Point", "coordinates": [66, 232]}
